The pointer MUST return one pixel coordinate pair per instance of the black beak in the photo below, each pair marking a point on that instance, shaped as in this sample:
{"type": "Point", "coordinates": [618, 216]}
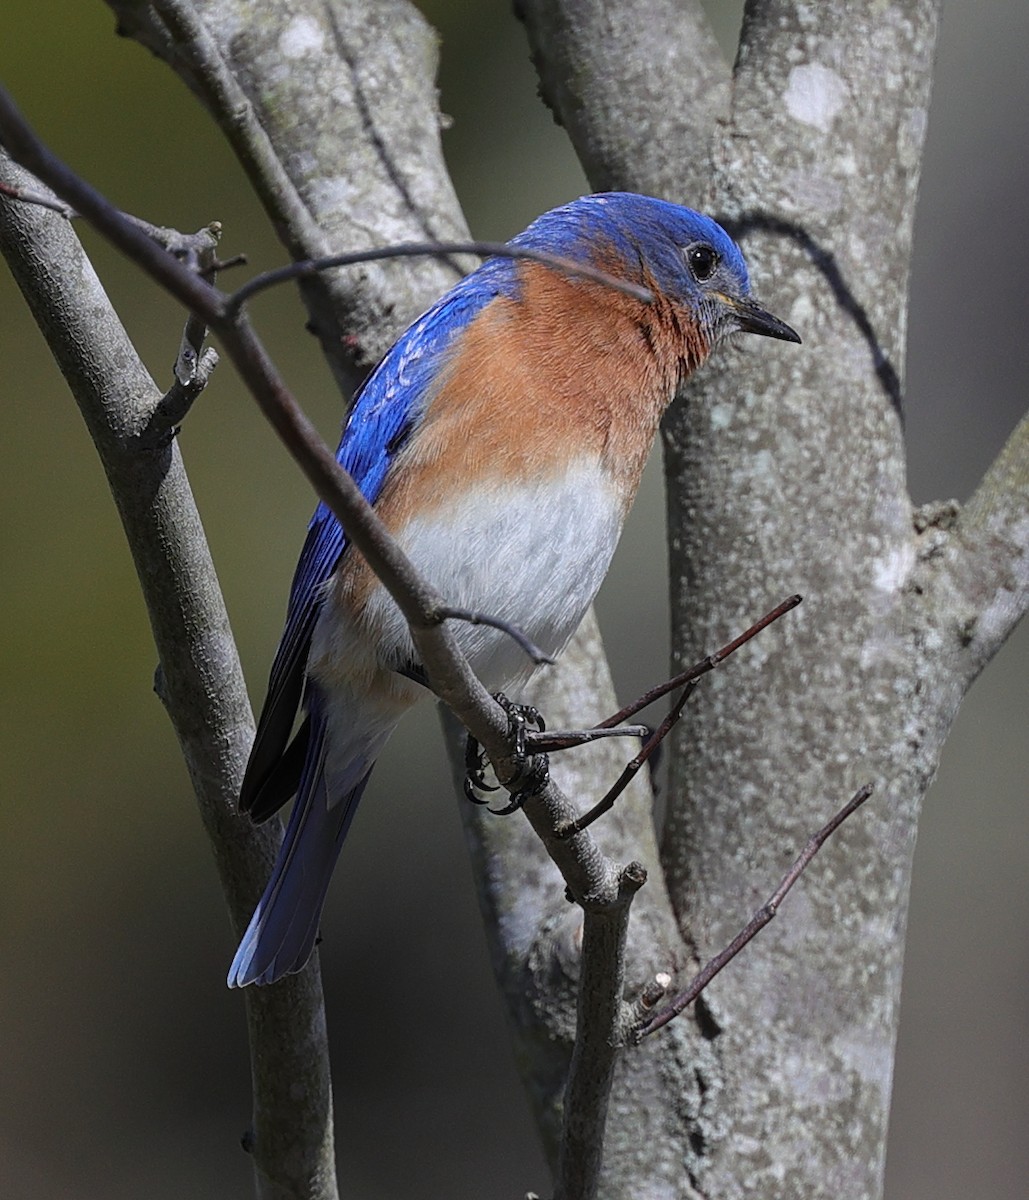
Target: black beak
{"type": "Point", "coordinates": [752, 318]}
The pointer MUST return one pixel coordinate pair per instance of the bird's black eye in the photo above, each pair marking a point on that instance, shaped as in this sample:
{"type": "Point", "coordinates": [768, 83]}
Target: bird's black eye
{"type": "Point", "coordinates": [703, 262]}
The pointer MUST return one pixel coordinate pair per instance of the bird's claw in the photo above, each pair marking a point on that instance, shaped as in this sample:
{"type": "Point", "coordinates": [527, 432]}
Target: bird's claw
{"type": "Point", "coordinates": [532, 778]}
{"type": "Point", "coordinates": [519, 718]}
{"type": "Point", "coordinates": [475, 771]}
{"type": "Point", "coordinates": [531, 771]}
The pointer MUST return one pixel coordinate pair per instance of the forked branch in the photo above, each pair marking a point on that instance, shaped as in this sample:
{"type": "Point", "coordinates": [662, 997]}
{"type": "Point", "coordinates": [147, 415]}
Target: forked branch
{"type": "Point", "coordinates": [754, 926]}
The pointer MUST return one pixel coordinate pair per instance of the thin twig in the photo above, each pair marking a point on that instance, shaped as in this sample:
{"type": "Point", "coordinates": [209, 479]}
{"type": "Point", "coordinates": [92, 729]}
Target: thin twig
{"type": "Point", "coordinates": [447, 612]}
{"type": "Point", "coordinates": [31, 196]}
{"type": "Point", "coordinates": [304, 270]}
{"type": "Point", "coordinates": [194, 250]}
{"type": "Point", "coordinates": [192, 367]}
{"type": "Point", "coordinates": [189, 247]}
{"type": "Point", "coordinates": [702, 667]}
{"type": "Point", "coordinates": [688, 681]}
{"type": "Point", "coordinates": [606, 802]}
{"type": "Point", "coordinates": [226, 264]}
{"type": "Point", "coordinates": [640, 1010]}
{"type": "Point", "coordinates": [175, 404]}
{"type": "Point", "coordinates": [759, 920]}
{"type": "Point", "coordinates": [565, 739]}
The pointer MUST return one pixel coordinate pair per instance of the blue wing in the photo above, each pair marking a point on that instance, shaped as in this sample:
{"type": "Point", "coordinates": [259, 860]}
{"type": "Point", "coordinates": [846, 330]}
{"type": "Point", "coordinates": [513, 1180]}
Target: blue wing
{"type": "Point", "coordinates": [384, 413]}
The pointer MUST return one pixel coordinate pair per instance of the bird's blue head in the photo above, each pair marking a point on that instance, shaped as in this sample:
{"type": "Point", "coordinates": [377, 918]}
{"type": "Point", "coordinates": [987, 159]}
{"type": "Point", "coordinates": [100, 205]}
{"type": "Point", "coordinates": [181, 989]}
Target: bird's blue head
{"type": "Point", "coordinates": [685, 256]}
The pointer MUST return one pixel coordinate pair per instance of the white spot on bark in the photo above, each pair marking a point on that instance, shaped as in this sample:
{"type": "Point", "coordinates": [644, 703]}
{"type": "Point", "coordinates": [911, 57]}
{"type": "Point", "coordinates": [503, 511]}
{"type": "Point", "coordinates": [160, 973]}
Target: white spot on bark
{"type": "Point", "coordinates": [721, 416]}
{"type": "Point", "coordinates": [890, 572]}
{"type": "Point", "coordinates": [814, 95]}
{"type": "Point", "coordinates": [301, 36]}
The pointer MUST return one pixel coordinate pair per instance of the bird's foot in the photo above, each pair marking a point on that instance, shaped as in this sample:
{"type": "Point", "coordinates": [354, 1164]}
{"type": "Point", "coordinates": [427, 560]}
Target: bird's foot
{"type": "Point", "coordinates": [475, 763]}
{"type": "Point", "coordinates": [531, 770]}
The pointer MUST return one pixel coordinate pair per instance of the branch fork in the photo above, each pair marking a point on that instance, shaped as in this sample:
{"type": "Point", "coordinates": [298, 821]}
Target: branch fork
{"type": "Point", "coordinates": [650, 1022]}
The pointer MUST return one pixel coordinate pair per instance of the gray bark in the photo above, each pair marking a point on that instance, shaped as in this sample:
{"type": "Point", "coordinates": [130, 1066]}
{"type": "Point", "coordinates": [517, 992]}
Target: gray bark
{"type": "Point", "coordinates": [332, 111]}
{"type": "Point", "coordinates": [786, 473]}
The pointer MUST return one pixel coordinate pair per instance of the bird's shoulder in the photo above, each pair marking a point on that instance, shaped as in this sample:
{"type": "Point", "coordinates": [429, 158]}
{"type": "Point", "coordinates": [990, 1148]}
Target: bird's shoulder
{"type": "Point", "coordinates": [387, 409]}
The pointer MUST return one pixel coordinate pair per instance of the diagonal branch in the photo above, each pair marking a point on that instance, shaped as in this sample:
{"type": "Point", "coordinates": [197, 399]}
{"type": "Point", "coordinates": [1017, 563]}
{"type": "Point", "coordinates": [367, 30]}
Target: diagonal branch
{"type": "Point", "coordinates": [202, 683]}
{"type": "Point", "coordinates": [760, 919]}
{"type": "Point", "coordinates": [688, 681]}
{"type": "Point", "coordinates": [993, 563]}
{"type": "Point", "coordinates": [703, 667]}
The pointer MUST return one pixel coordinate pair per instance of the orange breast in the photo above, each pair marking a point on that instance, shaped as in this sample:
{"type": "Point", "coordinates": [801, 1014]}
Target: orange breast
{"type": "Point", "coordinates": [570, 370]}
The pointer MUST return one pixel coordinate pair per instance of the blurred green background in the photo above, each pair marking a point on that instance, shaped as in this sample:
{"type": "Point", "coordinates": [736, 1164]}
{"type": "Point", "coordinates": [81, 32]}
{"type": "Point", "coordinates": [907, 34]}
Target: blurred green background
{"type": "Point", "coordinates": [123, 1066]}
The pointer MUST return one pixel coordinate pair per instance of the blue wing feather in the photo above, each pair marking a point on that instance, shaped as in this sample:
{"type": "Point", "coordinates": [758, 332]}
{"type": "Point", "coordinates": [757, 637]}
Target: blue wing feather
{"type": "Point", "coordinates": [384, 412]}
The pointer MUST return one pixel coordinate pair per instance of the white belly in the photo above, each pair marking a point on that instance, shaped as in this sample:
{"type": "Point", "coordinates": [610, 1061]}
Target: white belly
{"type": "Point", "coordinates": [533, 556]}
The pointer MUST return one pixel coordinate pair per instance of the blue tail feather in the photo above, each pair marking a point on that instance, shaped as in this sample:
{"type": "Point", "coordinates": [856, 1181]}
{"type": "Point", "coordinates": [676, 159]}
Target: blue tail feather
{"type": "Point", "coordinates": [282, 932]}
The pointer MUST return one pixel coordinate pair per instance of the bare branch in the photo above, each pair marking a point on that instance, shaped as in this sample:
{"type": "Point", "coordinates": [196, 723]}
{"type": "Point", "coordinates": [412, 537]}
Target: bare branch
{"type": "Point", "coordinates": [202, 684]}
{"type": "Point", "coordinates": [689, 678]}
{"type": "Point", "coordinates": [172, 408]}
{"type": "Point", "coordinates": [760, 919]}
{"type": "Point", "coordinates": [606, 802]}
{"type": "Point", "coordinates": [703, 667]}
{"type": "Point", "coordinates": [449, 613]}
{"type": "Point", "coordinates": [599, 1035]}
{"type": "Point", "coordinates": [991, 567]}
{"type": "Point", "coordinates": [565, 739]}
{"type": "Point", "coordinates": [303, 270]}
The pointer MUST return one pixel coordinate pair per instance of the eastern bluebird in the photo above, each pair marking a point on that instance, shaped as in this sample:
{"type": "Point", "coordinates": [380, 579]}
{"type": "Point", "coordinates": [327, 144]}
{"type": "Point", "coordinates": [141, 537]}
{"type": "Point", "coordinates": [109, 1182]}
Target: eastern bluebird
{"type": "Point", "coordinates": [501, 440]}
